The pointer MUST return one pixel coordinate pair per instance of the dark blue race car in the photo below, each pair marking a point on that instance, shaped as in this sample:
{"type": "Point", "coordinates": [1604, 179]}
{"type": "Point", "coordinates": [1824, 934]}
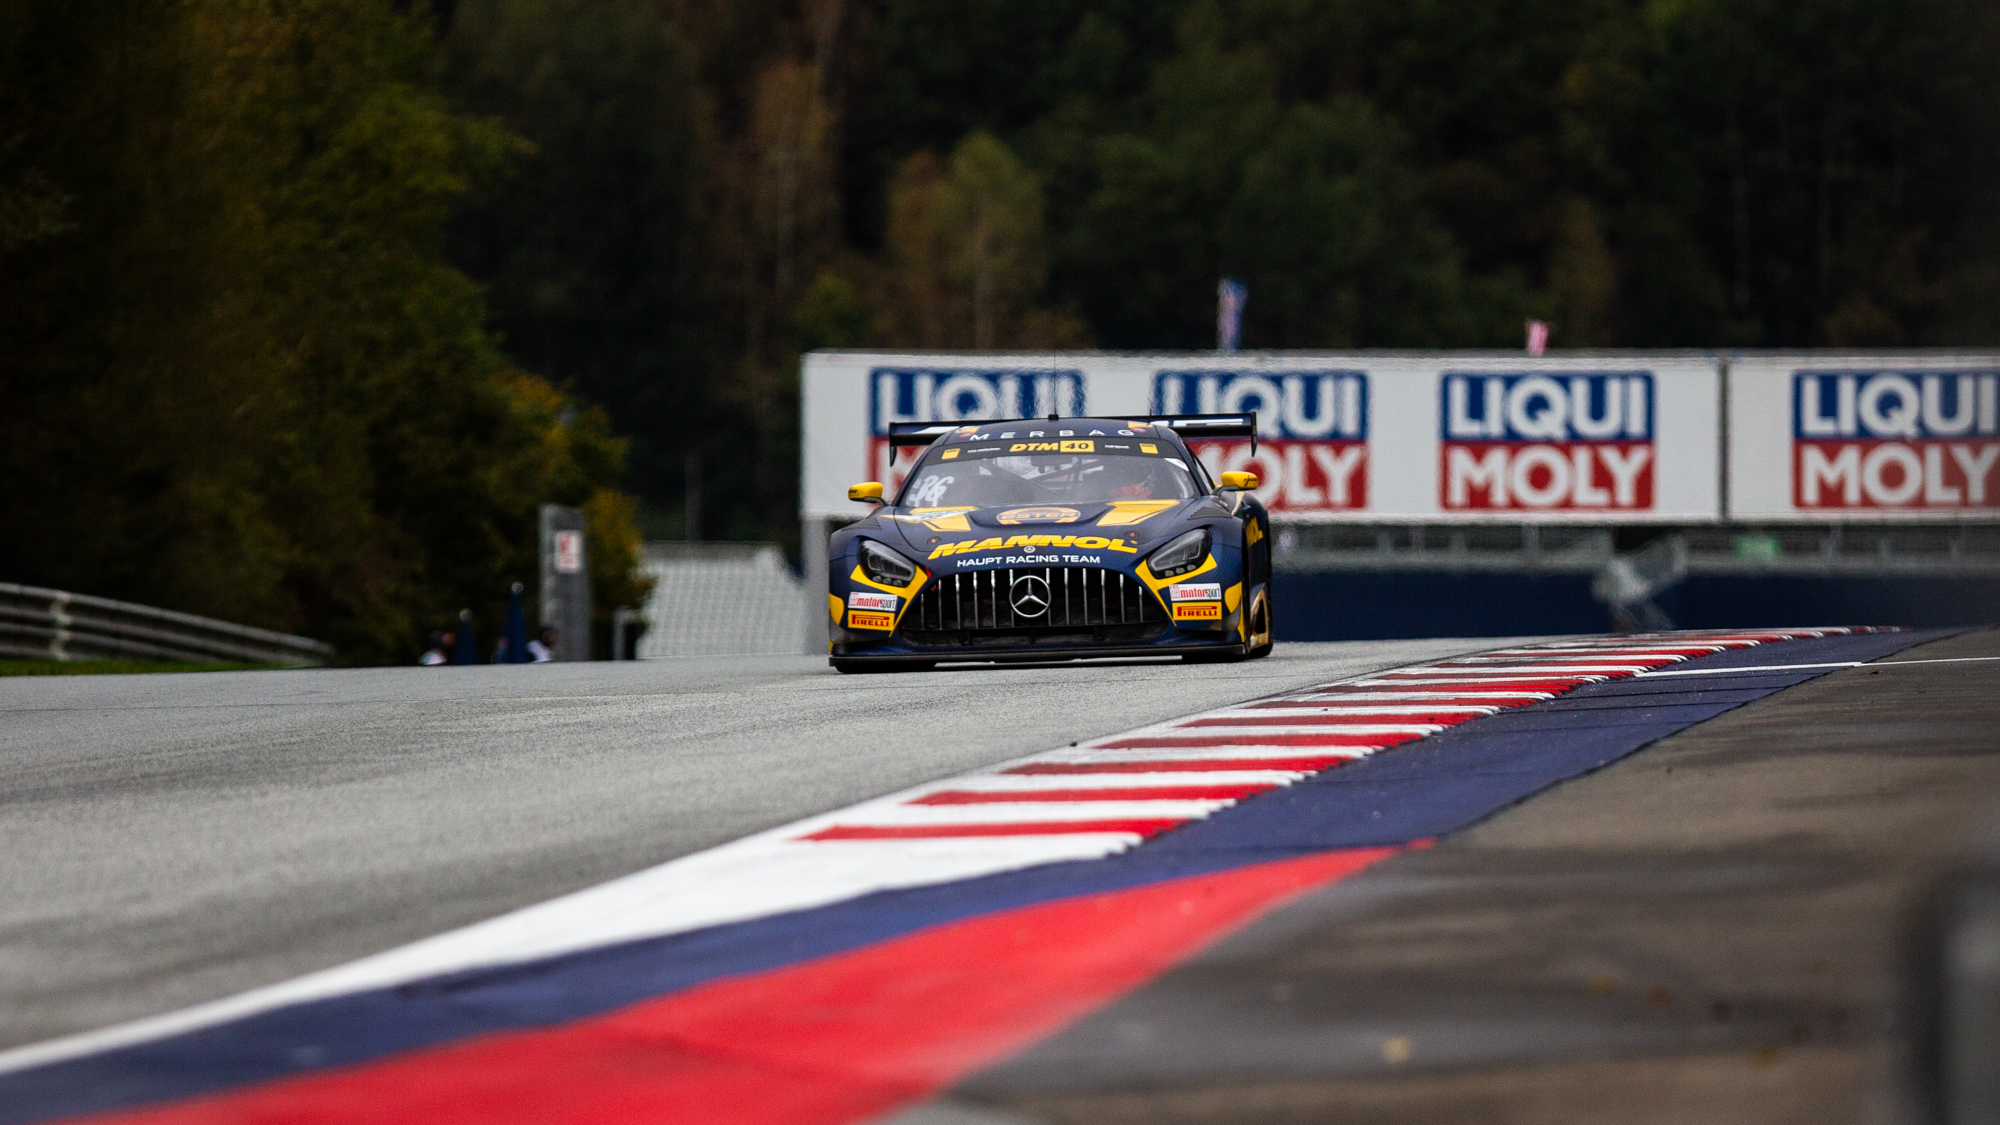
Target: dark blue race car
{"type": "Point", "coordinates": [1052, 539]}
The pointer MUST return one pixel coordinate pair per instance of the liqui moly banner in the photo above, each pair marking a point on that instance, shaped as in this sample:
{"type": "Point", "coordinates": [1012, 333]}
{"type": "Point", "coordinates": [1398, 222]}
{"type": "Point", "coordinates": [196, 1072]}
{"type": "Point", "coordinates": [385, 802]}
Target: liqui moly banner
{"type": "Point", "coordinates": [1867, 438]}
{"type": "Point", "coordinates": [1574, 439]}
{"type": "Point", "coordinates": [1311, 457]}
{"type": "Point", "coordinates": [946, 394]}
{"type": "Point", "coordinates": [1352, 437]}
{"type": "Point", "coordinates": [1538, 441]}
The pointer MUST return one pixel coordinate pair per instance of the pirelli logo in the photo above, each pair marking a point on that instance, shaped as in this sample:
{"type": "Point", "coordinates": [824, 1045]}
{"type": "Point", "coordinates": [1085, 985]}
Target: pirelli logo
{"type": "Point", "coordinates": [1053, 447]}
{"type": "Point", "coordinates": [868, 619]}
{"type": "Point", "coordinates": [1197, 611]}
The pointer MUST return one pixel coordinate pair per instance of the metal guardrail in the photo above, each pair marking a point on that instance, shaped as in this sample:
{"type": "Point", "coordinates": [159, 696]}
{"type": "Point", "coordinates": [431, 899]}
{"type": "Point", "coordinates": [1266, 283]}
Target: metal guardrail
{"type": "Point", "coordinates": [55, 625]}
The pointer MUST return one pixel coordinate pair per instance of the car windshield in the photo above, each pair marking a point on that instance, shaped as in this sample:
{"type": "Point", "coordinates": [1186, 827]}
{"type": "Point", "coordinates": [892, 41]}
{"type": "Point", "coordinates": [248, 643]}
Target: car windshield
{"type": "Point", "coordinates": [1034, 478]}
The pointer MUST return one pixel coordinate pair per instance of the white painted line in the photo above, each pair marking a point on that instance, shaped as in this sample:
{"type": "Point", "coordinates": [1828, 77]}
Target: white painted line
{"type": "Point", "coordinates": [1337, 725]}
{"type": "Point", "coordinates": [1431, 693]}
{"type": "Point", "coordinates": [1418, 693]}
{"type": "Point", "coordinates": [1234, 752]}
{"type": "Point", "coordinates": [1833, 664]}
{"type": "Point", "coordinates": [1248, 750]}
{"type": "Point", "coordinates": [1173, 774]}
{"type": "Point", "coordinates": [1361, 709]}
{"type": "Point", "coordinates": [1586, 650]}
{"type": "Point", "coordinates": [1029, 810]}
{"type": "Point", "coordinates": [1130, 768]}
{"type": "Point", "coordinates": [1483, 682]}
{"type": "Point", "coordinates": [1511, 671]}
{"type": "Point", "coordinates": [1565, 659]}
{"type": "Point", "coordinates": [1026, 785]}
{"type": "Point", "coordinates": [1752, 668]}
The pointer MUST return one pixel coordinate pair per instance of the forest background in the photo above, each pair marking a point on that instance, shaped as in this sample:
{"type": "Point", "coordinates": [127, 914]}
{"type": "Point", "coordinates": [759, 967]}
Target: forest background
{"type": "Point", "coordinates": [305, 305]}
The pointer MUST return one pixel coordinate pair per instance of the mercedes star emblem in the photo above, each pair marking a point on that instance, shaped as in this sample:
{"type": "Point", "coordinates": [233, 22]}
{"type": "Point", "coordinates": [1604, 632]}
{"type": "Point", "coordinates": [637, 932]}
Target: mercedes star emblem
{"type": "Point", "coordinates": [1030, 595]}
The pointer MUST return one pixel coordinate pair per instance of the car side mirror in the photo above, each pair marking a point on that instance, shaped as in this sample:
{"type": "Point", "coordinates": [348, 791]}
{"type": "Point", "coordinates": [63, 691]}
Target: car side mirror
{"type": "Point", "coordinates": [1245, 482]}
{"type": "Point", "coordinates": [869, 493]}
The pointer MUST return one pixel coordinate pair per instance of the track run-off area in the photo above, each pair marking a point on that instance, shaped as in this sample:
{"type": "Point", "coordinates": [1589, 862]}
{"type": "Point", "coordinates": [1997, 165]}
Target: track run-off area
{"type": "Point", "coordinates": [749, 889]}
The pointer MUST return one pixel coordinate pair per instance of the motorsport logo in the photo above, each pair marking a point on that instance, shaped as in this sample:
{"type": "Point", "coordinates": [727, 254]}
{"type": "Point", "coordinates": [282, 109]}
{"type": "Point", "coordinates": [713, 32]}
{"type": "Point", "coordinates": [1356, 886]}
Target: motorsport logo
{"type": "Point", "coordinates": [1312, 432]}
{"type": "Point", "coordinates": [866, 610]}
{"type": "Point", "coordinates": [897, 394]}
{"type": "Point", "coordinates": [1893, 439]}
{"type": "Point", "coordinates": [1196, 601]}
{"type": "Point", "coordinates": [1546, 442]}
{"type": "Point", "coordinates": [993, 551]}
{"type": "Point", "coordinates": [1017, 516]}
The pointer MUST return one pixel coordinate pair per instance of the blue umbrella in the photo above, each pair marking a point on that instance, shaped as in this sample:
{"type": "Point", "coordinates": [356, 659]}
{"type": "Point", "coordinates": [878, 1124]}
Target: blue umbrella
{"type": "Point", "coordinates": [468, 645]}
{"type": "Point", "coordinates": [516, 637]}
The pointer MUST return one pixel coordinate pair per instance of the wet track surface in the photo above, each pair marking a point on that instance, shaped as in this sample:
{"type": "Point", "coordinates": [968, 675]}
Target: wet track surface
{"type": "Point", "coordinates": [173, 839]}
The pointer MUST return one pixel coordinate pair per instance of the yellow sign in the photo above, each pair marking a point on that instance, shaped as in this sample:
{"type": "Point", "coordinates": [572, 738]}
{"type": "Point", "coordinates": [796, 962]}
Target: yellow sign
{"type": "Point", "coordinates": [949, 455]}
{"type": "Point", "coordinates": [1191, 611]}
{"type": "Point", "coordinates": [1052, 447]}
{"type": "Point", "coordinates": [1148, 447]}
{"type": "Point", "coordinates": [1015, 516]}
{"type": "Point", "coordinates": [866, 619]}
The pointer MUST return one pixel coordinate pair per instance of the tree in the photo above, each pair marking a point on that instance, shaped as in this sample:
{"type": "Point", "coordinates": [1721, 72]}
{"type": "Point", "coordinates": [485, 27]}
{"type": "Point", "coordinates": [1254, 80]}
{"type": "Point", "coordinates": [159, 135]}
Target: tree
{"type": "Point", "coordinates": [242, 380]}
{"type": "Point", "coordinates": [966, 253]}
{"type": "Point", "coordinates": [595, 250]}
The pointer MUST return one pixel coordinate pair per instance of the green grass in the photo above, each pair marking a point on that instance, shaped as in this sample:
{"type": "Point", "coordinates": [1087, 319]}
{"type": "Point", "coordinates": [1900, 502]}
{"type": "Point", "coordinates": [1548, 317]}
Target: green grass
{"type": "Point", "coordinates": [116, 667]}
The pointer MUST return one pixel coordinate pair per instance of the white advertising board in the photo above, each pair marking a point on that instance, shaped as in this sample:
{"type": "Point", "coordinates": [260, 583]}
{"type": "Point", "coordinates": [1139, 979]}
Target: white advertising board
{"type": "Point", "coordinates": [1847, 438]}
{"type": "Point", "coordinates": [1341, 437]}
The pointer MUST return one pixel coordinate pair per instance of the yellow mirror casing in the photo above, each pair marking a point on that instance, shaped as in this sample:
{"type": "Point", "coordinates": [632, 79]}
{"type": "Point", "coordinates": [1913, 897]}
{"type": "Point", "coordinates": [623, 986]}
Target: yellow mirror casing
{"type": "Point", "coordinates": [871, 491]}
{"type": "Point", "coordinates": [1244, 481]}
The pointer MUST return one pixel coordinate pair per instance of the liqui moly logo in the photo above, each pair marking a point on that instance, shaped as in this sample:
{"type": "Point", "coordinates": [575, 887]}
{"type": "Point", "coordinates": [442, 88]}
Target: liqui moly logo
{"type": "Point", "coordinates": [1312, 432]}
{"type": "Point", "coordinates": [1548, 442]}
{"type": "Point", "coordinates": [1894, 439]}
{"type": "Point", "coordinates": [897, 394]}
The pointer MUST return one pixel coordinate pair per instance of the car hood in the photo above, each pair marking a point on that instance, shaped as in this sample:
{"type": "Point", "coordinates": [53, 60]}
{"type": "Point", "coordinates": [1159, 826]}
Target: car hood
{"type": "Point", "coordinates": [1141, 523]}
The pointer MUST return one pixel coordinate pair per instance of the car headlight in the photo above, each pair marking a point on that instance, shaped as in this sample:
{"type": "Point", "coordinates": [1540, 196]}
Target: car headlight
{"type": "Point", "coordinates": [886, 566]}
{"type": "Point", "coordinates": [1179, 556]}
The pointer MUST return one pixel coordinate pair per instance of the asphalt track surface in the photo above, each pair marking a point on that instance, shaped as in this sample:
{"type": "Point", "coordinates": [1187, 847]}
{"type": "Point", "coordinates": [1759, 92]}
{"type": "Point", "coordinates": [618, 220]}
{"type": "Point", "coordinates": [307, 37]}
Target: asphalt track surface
{"type": "Point", "coordinates": [1700, 931]}
{"type": "Point", "coordinates": [1707, 931]}
{"type": "Point", "coordinates": [173, 839]}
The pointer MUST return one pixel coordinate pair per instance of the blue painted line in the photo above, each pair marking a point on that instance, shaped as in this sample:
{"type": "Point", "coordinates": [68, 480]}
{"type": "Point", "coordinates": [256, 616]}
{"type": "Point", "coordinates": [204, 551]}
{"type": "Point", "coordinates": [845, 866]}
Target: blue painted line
{"type": "Point", "coordinates": [1808, 650]}
{"type": "Point", "coordinates": [1420, 790]}
{"type": "Point", "coordinates": [1650, 714]}
{"type": "Point", "coordinates": [1661, 698]}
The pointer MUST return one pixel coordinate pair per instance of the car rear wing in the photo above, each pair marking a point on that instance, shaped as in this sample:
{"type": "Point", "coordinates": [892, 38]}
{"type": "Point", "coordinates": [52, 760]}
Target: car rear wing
{"type": "Point", "coordinates": [923, 433]}
{"type": "Point", "coordinates": [1186, 425]}
{"type": "Point", "coordinates": [1191, 426]}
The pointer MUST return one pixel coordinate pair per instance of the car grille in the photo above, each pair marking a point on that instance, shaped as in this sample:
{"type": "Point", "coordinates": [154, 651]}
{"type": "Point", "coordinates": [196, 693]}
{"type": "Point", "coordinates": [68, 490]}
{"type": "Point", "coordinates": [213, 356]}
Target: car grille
{"type": "Point", "coordinates": [1078, 597]}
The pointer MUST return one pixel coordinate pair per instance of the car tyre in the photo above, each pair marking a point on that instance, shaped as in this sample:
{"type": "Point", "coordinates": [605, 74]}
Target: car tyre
{"type": "Point", "coordinates": [1260, 626]}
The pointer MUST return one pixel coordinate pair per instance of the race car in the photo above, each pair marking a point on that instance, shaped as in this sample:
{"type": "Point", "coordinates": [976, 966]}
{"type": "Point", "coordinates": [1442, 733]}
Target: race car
{"type": "Point", "coordinates": [1054, 539]}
